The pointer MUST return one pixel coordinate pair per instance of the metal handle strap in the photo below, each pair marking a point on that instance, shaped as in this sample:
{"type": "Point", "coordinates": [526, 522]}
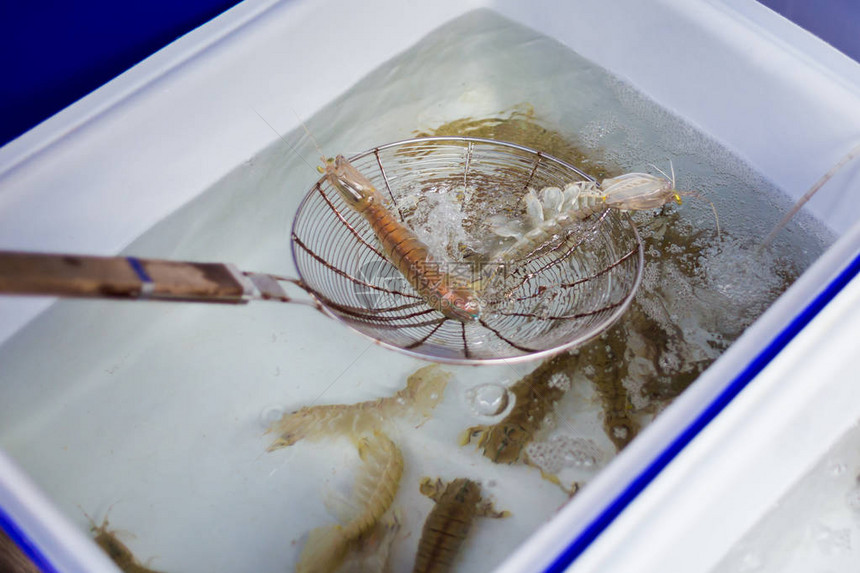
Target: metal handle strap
{"type": "Point", "coordinates": [120, 277]}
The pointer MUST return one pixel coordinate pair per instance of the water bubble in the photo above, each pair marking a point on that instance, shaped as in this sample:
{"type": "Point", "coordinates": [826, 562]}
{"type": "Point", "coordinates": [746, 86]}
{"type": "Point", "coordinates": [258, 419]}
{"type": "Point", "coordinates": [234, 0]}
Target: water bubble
{"type": "Point", "coordinates": [750, 562]}
{"type": "Point", "coordinates": [852, 500]}
{"type": "Point", "coordinates": [560, 381]}
{"type": "Point", "coordinates": [565, 451]}
{"type": "Point", "coordinates": [581, 458]}
{"type": "Point", "coordinates": [270, 415]}
{"type": "Point", "coordinates": [831, 540]}
{"type": "Point", "coordinates": [488, 399]}
{"type": "Point", "coordinates": [837, 468]}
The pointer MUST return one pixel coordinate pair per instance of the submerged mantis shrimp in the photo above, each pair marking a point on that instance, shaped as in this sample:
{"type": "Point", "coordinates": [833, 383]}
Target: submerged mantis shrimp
{"type": "Point", "coordinates": [552, 213]}
{"type": "Point", "coordinates": [535, 396]}
{"type": "Point", "coordinates": [118, 551]}
{"type": "Point", "coordinates": [424, 390]}
{"type": "Point", "coordinates": [440, 290]}
{"type": "Point", "coordinates": [372, 495]}
{"type": "Point", "coordinates": [448, 524]}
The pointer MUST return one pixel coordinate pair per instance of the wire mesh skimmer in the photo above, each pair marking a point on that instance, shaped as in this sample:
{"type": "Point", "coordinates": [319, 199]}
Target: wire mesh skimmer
{"type": "Point", "coordinates": [447, 190]}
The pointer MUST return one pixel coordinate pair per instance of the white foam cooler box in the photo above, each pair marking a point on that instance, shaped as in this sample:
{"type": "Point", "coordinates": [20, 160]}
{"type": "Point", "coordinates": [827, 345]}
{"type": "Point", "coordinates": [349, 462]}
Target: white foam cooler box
{"type": "Point", "coordinates": [101, 173]}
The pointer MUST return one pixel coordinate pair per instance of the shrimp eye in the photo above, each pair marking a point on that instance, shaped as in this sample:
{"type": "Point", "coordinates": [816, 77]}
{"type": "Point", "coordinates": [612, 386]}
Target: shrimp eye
{"type": "Point", "coordinates": [677, 198]}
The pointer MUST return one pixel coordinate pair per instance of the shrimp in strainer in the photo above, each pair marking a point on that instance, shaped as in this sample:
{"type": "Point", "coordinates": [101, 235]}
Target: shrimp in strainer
{"type": "Point", "coordinates": [554, 211]}
{"type": "Point", "coordinates": [439, 289]}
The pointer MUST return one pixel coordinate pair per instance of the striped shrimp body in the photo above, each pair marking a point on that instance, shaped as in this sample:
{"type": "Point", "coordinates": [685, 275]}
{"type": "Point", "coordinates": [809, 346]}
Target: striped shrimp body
{"type": "Point", "coordinates": [446, 528]}
{"type": "Point", "coordinates": [535, 396]}
{"type": "Point", "coordinates": [551, 213]}
{"type": "Point", "coordinates": [375, 487]}
{"type": "Point", "coordinates": [403, 249]}
{"type": "Point", "coordinates": [372, 495]}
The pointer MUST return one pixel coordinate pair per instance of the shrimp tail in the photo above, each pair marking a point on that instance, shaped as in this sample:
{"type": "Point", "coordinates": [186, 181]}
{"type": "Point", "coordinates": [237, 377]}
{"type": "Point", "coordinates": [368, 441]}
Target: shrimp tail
{"type": "Point", "coordinates": [324, 550]}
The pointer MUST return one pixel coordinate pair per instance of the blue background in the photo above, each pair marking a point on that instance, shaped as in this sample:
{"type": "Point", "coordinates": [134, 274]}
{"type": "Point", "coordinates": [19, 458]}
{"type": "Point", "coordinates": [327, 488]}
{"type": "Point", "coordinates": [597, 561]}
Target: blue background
{"type": "Point", "coordinates": [837, 22]}
{"type": "Point", "coordinates": [54, 52]}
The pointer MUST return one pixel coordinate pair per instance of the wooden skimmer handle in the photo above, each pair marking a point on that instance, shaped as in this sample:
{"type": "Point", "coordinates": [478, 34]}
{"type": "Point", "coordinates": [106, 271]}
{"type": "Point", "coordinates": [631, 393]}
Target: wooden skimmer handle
{"type": "Point", "coordinates": [122, 277]}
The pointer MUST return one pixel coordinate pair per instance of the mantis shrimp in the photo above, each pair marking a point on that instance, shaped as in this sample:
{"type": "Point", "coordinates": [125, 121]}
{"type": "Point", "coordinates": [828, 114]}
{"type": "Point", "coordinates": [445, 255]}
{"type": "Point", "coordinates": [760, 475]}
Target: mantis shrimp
{"type": "Point", "coordinates": [401, 247]}
{"type": "Point", "coordinates": [118, 551]}
{"type": "Point", "coordinates": [373, 493]}
{"type": "Point", "coordinates": [446, 528]}
{"type": "Point", "coordinates": [554, 211]}
{"type": "Point", "coordinates": [424, 390]}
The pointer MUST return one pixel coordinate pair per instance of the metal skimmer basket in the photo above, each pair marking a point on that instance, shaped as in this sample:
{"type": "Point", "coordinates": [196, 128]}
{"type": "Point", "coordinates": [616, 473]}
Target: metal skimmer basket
{"type": "Point", "coordinates": [448, 190]}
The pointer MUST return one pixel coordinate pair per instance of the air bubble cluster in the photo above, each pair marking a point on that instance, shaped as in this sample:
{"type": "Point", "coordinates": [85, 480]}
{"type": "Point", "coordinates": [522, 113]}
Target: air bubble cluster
{"type": "Point", "coordinates": [565, 451]}
{"type": "Point", "coordinates": [271, 414]}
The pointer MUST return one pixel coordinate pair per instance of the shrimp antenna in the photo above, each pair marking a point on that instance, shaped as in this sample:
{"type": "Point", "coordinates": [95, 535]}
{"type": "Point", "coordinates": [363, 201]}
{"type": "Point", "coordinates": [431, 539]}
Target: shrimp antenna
{"type": "Point", "coordinates": [709, 202]}
{"type": "Point", "coordinates": [808, 195]}
{"type": "Point", "coordinates": [663, 173]}
{"type": "Point", "coordinates": [698, 196]}
{"type": "Point", "coordinates": [310, 135]}
{"type": "Point", "coordinates": [691, 193]}
{"type": "Point", "coordinates": [293, 147]}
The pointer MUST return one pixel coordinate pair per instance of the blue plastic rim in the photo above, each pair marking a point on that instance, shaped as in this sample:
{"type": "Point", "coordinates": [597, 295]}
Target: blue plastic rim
{"type": "Point", "coordinates": [756, 365]}
{"type": "Point", "coordinates": [614, 509]}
